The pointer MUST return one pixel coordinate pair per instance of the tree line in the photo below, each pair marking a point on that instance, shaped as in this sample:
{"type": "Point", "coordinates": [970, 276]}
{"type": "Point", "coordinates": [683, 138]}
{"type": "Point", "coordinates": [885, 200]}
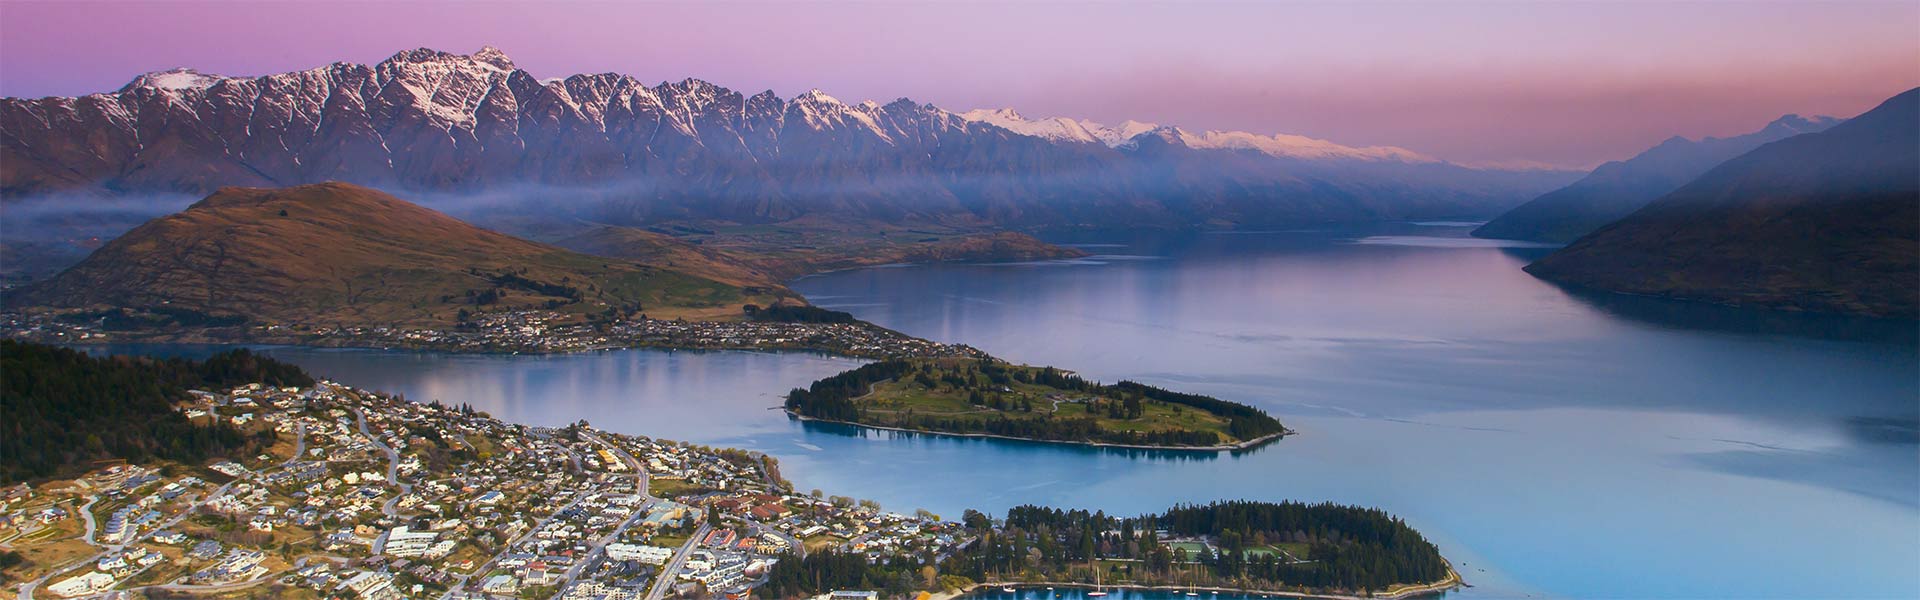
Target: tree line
{"type": "Point", "coordinates": [61, 409]}
{"type": "Point", "coordinates": [1351, 549]}
{"type": "Point", "coordinates": [787, 313]}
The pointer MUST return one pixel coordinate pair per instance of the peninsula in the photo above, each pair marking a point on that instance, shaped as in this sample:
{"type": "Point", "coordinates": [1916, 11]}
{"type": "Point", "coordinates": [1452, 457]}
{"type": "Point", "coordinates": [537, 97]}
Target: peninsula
{"type": "Point", "coordinates": [985, 397]}
{"type": "Point", "coordinates": [239, 476]}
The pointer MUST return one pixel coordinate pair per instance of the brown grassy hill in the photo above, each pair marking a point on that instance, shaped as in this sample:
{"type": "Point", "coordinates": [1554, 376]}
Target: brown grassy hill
{"type": "Point", "coordinates": [765, 255]}
{"type": "Point", "coordinates": [666, 251]}
{"type": "Point", "coordinates": [336, 253]}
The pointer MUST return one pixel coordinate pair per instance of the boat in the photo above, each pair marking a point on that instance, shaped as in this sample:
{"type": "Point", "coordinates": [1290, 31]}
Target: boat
{"type": "Point", "coordinates": [1097, 591]}
{"type": "Point", "coordinates": [1008, 589]}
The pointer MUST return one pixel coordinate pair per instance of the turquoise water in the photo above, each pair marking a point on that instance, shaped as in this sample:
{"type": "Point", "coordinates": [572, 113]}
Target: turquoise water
{"type": "Point", "coordinates": [1551, 444]}
{"type": "Point", "coordinates": [1025, 593]}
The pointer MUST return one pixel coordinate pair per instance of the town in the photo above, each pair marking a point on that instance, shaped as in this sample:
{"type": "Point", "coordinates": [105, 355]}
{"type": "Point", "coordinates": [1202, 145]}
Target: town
{"type": "Point", "coordinates": [523, 331]}
{"type": "Point", "coordinates": [365, 495]}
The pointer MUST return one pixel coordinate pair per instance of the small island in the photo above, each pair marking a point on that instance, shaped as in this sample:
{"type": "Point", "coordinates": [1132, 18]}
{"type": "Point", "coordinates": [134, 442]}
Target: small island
{"type": "Point", "coordinates": [985, 397]}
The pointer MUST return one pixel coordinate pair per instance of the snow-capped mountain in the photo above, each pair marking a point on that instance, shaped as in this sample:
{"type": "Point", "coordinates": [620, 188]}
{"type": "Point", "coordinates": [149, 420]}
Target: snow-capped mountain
{"type": "Point", "coordinates": [426, 120]}
{"type": "Point", "coordinates": [1062, 129]}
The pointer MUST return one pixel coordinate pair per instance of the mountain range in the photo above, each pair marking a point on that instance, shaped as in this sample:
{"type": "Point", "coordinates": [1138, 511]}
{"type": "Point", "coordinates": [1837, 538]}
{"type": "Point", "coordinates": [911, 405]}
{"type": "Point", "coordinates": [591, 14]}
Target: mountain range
{"type": "Point", "coordinates": [1826, 221]}
{"type": "Point", "coordinates": [612, 150]}
{"type": "Point", "coordinates": [1616, 189]}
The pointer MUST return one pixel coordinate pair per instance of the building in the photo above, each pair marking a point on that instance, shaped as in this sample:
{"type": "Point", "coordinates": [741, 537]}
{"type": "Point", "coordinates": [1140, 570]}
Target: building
{"type": "Point", "coordinates": [82, 585]}
{"type": "Point", "coordinates": [406, 543]}
{"type": "Point", "coordinates": [652, 555]}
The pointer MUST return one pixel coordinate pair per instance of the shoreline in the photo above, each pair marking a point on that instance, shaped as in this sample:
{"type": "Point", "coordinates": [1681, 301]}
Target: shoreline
{"type": "Point", "coordinates": [339, 344]}
{"type": "Point", "coordinates": [1450, 582]}
{"type": "Point", "coordinates": [1236, 447]}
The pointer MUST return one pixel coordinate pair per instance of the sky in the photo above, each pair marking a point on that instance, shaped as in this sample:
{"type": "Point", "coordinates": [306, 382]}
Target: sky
{"type": "Point", "coordinates": [1486, 83]}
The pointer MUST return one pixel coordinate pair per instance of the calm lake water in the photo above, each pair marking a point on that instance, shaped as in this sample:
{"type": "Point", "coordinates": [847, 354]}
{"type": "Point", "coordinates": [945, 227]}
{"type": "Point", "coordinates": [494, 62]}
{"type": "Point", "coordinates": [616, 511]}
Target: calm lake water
{"type": "Point", "coordinates": [1551, 444]}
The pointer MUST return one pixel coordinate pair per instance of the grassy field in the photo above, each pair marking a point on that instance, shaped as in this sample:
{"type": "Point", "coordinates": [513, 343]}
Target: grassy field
{"type": "Point", "coordinates": [670, 488]}
{"type": "Point", "coordinates": [1192, 548]}
{"type": "Point", "coordinates": [1287, 550]}
{"type": "Point", "coordinates": [817, 542]}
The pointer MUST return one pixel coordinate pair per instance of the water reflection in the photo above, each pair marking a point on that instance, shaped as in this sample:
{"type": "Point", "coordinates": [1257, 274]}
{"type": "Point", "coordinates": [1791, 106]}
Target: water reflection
{"type": "Point", "coordinates": [962, 442]}
{"type": "Point", "coordinates": [1557, 444]}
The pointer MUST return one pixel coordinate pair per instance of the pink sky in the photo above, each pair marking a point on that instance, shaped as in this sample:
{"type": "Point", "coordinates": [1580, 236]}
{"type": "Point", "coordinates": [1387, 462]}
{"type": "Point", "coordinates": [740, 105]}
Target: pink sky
{"type": "Point", "coordinates": [1558, 83]}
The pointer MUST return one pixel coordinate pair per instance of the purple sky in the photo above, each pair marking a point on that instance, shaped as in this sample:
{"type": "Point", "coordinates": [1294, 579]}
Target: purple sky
{"type": "Point", "coordinates": [1567, 84]}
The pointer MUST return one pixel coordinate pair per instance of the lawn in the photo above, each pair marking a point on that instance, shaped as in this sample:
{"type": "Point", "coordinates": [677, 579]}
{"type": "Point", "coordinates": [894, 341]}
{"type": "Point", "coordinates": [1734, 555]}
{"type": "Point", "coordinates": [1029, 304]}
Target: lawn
{"type": "Point", "coordinates": [670, 488]}
{"type": "Point", "coordinates": [1193, 548]}
{"type": "Point", "coordinates": [822, 541]}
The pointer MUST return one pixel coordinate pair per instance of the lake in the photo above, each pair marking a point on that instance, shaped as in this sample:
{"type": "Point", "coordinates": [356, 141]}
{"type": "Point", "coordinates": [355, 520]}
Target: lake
{"type": "Point", "coordinates": [1551, 443]}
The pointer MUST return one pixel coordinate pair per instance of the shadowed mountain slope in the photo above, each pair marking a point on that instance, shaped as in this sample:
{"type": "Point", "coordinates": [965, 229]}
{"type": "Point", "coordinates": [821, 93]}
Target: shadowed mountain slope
{"type": "Point", "coordinates": [1616, 189]}
{"type": "Point", "coordinates": [1826, 221]}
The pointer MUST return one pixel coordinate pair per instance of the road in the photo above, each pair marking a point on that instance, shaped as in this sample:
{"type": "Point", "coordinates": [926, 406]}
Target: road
{"type": "Point", "coordinates": [86, 512]}
{"type": "Point", "coordinates": [299, 442]}
{"type": "Point", "coordinates": [393, 465]}
{"type": "Point", "coordinates": [636, 471]}
{"type": "Point", "coordinates": [669, 572]}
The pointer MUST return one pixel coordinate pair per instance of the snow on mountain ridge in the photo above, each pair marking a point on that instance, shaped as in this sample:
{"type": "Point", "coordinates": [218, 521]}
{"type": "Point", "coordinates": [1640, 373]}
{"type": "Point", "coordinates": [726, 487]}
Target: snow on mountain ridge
{"type": "Point", "coordinates": [1058, 129]}
{"type": "Point", "coordinates": [181, 78]}
{"type": "Point", "coordinates": [452, 89]}
{"type": "Point", "coordinates": [1062, 129]}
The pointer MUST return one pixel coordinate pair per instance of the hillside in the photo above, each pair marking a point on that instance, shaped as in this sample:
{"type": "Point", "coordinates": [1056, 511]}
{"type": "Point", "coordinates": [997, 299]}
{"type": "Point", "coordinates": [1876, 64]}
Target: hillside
{"type": "Point", "coordinates": [1618, 188]}
{"type": "Point", "coordinates": [768, 255]}
{"type": "Point", "coordinates": [342, 254]}
{"type": "Point", "coordinates": [65, 409]}
{"type": "Point", "coordinates": [1825, 221]}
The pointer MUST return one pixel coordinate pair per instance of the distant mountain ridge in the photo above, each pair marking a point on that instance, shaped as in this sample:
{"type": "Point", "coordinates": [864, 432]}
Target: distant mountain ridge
{"type": "Point", "coordinates": [1618, 188]}
{"type": "Point", "coordinates": [1826, 221]}
{"type": "Point", "coordinates": [620, 152]}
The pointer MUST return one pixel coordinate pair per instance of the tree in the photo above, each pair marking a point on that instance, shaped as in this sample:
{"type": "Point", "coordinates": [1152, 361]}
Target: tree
{"type": "Point", "coordinates": [976, 520]}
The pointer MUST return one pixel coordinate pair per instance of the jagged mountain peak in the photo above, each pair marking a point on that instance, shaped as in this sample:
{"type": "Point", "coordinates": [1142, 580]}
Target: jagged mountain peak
{"type": "Point", "coordinates": [815, 96]}
{"type": "Point", "coordinates": [487, 57]}
{"type": "Point", "coordinates": [493, 56]}
{"type": "Point", "coordinates": [179, 78]}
